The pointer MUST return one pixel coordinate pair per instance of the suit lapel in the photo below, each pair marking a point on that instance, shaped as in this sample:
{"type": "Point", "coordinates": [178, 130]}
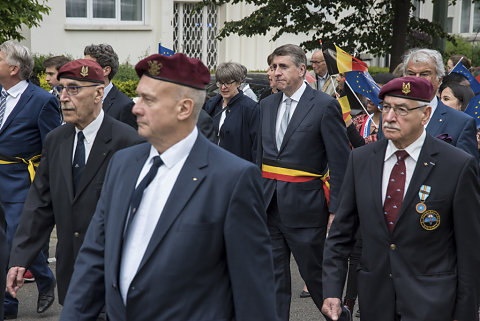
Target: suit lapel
{"type": "Point", "coordinates": [377, 162]}
{"type": "Point", "coordinates": [109, 100]}
{"type": "Point", "coordinates": [437, 121]}
{"type": "Point", "coordinates": [98, 154]}
{"type": "Point", "coordinates": [65, 158]}
{"type": "Point", "coordinates": [302, 109]}
{"type": "Point", "coordinates": [130, 177]}
{"type": "Point", "coordinates": [24, 98]}
{"type": "Point", "coordinates": [189, 179]}
{"type": "Point", "coordinates": [425, 163]}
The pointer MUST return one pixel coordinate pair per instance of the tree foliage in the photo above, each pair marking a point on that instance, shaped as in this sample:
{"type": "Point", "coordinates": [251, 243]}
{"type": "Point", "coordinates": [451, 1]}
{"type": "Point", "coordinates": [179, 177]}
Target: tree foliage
{"type": "Point", "coordinates": [14, 13]}
{"type": "Point", "coordinates": [357, 26]}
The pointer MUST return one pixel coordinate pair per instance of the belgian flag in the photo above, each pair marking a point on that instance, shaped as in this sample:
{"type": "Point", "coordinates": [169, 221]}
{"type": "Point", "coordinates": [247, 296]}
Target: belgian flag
{"type": "Point", "coordinates": [338, 61]}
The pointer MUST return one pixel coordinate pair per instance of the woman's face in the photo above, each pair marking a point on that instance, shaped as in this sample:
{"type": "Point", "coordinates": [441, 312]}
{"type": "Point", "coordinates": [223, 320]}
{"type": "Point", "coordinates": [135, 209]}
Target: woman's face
{"type": "Point", "coordinates": [449, 65]}
{"type": "Point", "coordinates": [228, 89]}
{"type": "Point", "coordinates": [271, 78]}
{"type": "Point", "coordinates": [371, 108]}
{"type": "Point", "coordinates": [450, 100]}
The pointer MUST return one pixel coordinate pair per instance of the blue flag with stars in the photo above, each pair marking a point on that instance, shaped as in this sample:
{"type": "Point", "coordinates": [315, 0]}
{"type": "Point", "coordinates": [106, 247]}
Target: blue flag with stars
{"type": "Point", "coordinates": [165, 51]}
{"type": "Point", "coordinates": [363, 83]}
{"type": "Point", "coordinates": [473, 109]}
{"type": "Point", "coordinates": [461, 69]}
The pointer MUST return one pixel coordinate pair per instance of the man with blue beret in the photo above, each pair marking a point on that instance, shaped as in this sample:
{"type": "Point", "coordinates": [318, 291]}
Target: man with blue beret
{"type": "Point", "coordinates": [180, 231]}
{"type": "Point", "coordinates": [416, 201]}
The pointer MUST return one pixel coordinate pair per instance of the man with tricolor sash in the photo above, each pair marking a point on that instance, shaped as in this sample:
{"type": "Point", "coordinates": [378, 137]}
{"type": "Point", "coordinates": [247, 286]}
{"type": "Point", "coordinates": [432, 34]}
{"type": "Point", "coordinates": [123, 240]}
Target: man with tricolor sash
{"type": "Point", "coordinates": [302, 150]}
{"type": "Point", "coordinates": [27, 114]}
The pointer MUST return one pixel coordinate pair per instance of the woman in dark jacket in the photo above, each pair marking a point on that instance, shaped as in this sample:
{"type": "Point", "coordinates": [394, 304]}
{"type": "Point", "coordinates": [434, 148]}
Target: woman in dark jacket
{"type": "Point", "coordinates": [235, 116]}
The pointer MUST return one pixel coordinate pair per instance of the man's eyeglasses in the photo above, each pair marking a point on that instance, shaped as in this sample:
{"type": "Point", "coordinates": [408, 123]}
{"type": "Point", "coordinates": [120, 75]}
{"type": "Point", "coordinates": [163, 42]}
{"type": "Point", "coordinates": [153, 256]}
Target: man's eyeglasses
{"type": "Point", "coordinates": [316, 62]}
{"type": "Point", "coordinates": [226, 84]}
{"type": "Point", "coordinates": [71, 90]}
{"type": "Point", "coordinates": [399, 111]}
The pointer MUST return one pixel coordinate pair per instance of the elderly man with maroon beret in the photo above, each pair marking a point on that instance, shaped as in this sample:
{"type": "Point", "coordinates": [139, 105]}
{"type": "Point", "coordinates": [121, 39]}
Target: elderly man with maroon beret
{"type": "Point", "coordinates": [179, 232]}
{"type": "Point", "coordinates": [69, 179]}
{"type": "Point", "coordinates": [416, 200]}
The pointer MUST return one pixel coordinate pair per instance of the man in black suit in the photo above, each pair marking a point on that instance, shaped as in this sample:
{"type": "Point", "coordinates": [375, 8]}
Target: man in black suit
{"type": "Point", "coordinates": [416, 200]}
{"type": "Point", "coordinates": [66, 193]}
{"type": "Point", "coordinates": [301, 137]}
{"type": "Point", "coordinates": [115, 103]}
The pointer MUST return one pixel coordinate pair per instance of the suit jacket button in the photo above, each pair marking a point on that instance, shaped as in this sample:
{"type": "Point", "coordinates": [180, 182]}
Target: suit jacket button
{"type": "Point", "coordinates": [132, 288]}
{"type": "Point", "coordinates": [390, 275]}
{"type": "Point", "coordinates": [393, 247]}
{"type": "Point", "coordinates": [114, 286]}
{"type": "Point", "coordinates": [76, 234]}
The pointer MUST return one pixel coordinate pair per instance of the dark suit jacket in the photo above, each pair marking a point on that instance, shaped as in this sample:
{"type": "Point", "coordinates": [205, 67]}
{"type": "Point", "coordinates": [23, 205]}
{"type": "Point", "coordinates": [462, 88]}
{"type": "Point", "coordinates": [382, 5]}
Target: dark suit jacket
{"type": "Point", "coordinates": [209, 257]}
{"type": "Point", "coordinates": [22, 135]}
{"type": "Point", "coordinates": [238, 134]}
{"type": "Point", "coordinates": [458, 125]}
{"type": "Point", "coordinates": [119, 106]}
{"type": "Point", "coordinates": [51, 199]}
{"type": "Point", "coordinates": [316, 138]}
{"type": "Point", "coordinates": [423, 274]}
{"type": "Point", "coordinates": [3, 254]}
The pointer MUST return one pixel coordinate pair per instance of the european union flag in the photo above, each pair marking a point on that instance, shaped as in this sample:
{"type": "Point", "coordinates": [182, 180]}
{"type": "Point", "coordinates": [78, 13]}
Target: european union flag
{"type": "Point", "coordinates": [461, 69]}
{"type": "Point", "coordinates": [165, 51]}
{"type": "Point", "coordinates": [363, 83]}
{"type": "Point", "coordinates": [473, 109]}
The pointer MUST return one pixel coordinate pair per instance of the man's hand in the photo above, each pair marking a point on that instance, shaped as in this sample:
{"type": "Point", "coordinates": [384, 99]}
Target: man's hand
{"type": "Point", "coordinates": [332, 308]}
{"type": "Point", "coordinates": [330, 220]}
{"type": "Point", "coordinates": [15, 279]}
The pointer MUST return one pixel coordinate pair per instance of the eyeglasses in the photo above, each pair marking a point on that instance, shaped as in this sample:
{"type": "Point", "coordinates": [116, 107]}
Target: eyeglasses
{"type": "Point", "coordinates": [316, 62]}
{"type": "Point", "coordinates": [71, 90]}
{"type": "Point", "coordinates": [226, 84]}
{"type": "Point", "coordinates": [399, 111]}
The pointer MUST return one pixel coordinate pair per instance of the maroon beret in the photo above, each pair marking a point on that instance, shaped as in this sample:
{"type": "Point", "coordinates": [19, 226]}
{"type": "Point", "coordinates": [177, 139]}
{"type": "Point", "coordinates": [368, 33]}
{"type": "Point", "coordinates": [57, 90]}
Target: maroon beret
{"type": "Point", "coordinates": [83, 70]}
{"type": "Point", "coordinates": [415, 88]}
{"type": "Point", "coordinates": [178, 69]}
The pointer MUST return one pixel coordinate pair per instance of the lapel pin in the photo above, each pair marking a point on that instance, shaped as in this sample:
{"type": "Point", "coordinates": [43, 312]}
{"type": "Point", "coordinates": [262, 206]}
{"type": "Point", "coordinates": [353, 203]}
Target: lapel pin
{"type": "Point", "coordinates": [425, 164]}
{"type": "Point", "coordinates": [433, 164]}
{"type": "Point", "coordinates": [440, 120]}
{"type": "Point", "coordinates": [195, 179]}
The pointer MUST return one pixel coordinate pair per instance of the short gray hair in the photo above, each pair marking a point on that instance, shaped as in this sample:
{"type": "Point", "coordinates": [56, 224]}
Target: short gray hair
{"type": "Point", "coordinates": [197, 95]}
{"type": "Point", "coordinates": [295, 52]}
{"type": "Point", "coordinates": [18, 55]}
{"type": "Point", "coordinates": [425, 55]}
{"type": "Point", "coordinates": [229, 71]}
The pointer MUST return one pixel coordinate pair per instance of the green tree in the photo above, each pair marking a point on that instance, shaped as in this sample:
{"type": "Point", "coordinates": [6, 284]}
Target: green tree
{"type": "Point", "coordinates": [17, 12]}
{"type": "Point", "coordinates": [378, 27]}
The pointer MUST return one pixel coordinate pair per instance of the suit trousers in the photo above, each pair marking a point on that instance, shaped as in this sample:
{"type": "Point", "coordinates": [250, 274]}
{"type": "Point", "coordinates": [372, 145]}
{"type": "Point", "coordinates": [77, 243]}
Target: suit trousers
{"type": "Point", "coordinates": [306, 245]}
{"type": "Point", "coordinates": [39, 267]}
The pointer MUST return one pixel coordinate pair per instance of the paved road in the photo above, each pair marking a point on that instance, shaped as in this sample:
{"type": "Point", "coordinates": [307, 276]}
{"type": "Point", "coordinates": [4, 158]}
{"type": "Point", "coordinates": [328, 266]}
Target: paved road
{"type": "Point", "coordinates": [301, 309]}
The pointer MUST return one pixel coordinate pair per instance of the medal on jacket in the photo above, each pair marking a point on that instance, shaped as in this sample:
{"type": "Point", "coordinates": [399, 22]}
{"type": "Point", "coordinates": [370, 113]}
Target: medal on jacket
{"type": "Point", "coordinates": [423, 195]}
{"type": "Point", "coordinates": [430, 220]}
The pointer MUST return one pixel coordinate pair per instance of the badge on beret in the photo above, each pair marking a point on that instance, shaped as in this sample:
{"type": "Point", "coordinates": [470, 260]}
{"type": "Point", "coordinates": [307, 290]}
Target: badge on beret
{"type": "Point", "coordinates": [430, 220]}
{"type": "Point", "coordinates": [406, 88]}
{"type": "Point", "coordinates": [154, 67]}
{"type": "Point", "coordinates": [84, 71]}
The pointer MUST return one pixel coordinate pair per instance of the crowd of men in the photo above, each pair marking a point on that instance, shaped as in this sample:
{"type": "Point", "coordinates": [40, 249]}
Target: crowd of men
{"type": "Point", "coordinates": [156, 222]}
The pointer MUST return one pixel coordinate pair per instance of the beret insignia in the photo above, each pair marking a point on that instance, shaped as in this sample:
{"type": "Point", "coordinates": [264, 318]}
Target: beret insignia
{"type": "Point", "coordinates": [406, 88]}
{"type": "Point", "coordinates": [84, 71]}
{"type": "Point", "coordinates": [154, 67]}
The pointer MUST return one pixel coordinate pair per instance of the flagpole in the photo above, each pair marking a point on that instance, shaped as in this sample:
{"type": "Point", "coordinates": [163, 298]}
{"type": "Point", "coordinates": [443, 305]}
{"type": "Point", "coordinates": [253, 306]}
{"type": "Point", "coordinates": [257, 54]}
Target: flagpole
{"type": "Point", "coordinates": [455, 65]}
{"type": "Point", "coordinates": [366, 111]}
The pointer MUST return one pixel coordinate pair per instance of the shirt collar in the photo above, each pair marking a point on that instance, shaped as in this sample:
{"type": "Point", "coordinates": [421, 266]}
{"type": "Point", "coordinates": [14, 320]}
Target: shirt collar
{"type": "Point", "coordinates": [298, 94]}
{"type": "Point", "coordinates": [413, 149]}
{"type": "Point", "coordinates": [18, 89]}
{"type": "Point", "coordinates": [434, 104]}
{"type": "Point", "coordinates": [90, 131]}
{"type": "Point", "coordinates": [177, 152]}
{"type": "Point", "coordinates": [324, 76]}
{"type": "Point", "coordinates": [106, 90]}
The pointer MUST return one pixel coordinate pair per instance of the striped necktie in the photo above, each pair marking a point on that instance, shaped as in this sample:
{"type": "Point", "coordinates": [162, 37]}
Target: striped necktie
{"type": "Point", "coordinates": [284, 122]}
{"type": "Point", "coordinates": [3, 105]}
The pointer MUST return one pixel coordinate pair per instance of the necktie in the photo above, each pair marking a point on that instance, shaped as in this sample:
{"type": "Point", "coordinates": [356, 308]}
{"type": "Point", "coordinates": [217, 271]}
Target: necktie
{"type": "Point", "coordinates": [395, 188]}
{"type": "Point", "coordinates": [78, 161]}
{"type": "Point", "coordinates": [284, 122]}
{"type": "Point", "coordinates": [138, 193]}
{"type": "Point", "coordinates": [3, 105]}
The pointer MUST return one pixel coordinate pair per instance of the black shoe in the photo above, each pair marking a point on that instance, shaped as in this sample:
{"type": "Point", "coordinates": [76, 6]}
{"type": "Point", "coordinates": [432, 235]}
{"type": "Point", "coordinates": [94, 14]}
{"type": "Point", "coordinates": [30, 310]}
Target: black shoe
{"type": "Point", "coordinates": [304, 294]}
{"type": "Point", "coordinates": [8, 316]}
{"type": "Point", "coordinates": [45, 300]}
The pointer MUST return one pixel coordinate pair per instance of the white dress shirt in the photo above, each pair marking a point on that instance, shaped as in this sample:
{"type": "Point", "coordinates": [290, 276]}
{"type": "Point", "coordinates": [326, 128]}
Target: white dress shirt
{"type": "Point", "coordinates": [106, 90]}
{"type": "Point", "coordinates": [321, 80]}
{"type": "Point", "coordinates": [153, 201]}
{"type": "Point", "coordinates": [295, 99]}
{"type": "Point", "coordinates": [433, 104]}
{"type": "Point", "coordinates": [90, 132]}
{"type": "Point", "coordinates": [14, 94]}
{"type": "Point", "coordinates": [390, 160]}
